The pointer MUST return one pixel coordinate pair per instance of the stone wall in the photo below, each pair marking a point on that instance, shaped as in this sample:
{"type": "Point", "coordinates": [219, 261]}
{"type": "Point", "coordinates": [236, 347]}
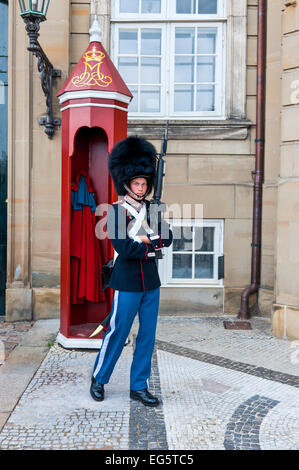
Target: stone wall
{"type": "Point", "coordinates": [33, 266]}
{"type": "Point", "coordinates": [207, 162]}
{"type": "Point", "coordinates": [286, 308]}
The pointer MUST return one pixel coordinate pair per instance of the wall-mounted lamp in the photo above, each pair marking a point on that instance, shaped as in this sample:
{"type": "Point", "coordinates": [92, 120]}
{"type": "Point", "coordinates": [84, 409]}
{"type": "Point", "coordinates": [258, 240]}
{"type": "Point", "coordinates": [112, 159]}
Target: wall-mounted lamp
{"type": "Point", "coordinates": [33, 13]}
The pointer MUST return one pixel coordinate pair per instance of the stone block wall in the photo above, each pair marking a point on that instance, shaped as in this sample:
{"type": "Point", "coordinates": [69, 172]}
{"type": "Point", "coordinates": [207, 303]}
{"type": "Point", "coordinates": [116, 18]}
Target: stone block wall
{"type": "Point", "coordinates": [209, 163]}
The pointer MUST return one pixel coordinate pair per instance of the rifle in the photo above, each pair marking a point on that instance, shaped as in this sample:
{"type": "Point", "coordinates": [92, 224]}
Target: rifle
{"type": "Point", "coordinates": [159, 180]}
{"type": "Point", "coordinates": [156, 205]}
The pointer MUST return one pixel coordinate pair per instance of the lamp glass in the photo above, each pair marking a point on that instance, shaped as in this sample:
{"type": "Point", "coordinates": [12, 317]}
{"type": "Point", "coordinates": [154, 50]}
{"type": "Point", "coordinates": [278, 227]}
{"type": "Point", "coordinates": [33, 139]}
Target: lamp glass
{"type": "Point", "coordinates": [35, 8]}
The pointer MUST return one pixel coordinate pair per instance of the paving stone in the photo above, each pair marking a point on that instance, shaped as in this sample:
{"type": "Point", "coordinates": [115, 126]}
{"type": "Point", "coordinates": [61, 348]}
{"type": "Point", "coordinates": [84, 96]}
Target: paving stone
{"type": "Point", "coordinates": [221, 389]}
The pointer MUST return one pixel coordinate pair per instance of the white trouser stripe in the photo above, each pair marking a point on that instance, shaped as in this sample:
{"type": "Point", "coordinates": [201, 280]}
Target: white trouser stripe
{"type": "Point", "coordinates": [106, 340]}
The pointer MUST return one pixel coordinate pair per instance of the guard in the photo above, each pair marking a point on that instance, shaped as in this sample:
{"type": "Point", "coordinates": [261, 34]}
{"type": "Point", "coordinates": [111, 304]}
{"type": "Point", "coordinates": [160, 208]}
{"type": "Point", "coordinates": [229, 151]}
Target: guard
{"type": "Point", "coordinates": [135, 278]}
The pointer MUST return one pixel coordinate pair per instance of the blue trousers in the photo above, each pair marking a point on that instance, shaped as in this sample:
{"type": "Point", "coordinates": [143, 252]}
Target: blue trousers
{"type": "Point", "coordinates": [124, 309]}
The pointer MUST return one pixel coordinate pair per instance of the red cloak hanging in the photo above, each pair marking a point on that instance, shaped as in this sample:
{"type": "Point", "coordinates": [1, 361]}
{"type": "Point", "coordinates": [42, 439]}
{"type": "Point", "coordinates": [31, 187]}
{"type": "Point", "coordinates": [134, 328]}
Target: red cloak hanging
{"type": "Point", "coordinates": [86, 259]}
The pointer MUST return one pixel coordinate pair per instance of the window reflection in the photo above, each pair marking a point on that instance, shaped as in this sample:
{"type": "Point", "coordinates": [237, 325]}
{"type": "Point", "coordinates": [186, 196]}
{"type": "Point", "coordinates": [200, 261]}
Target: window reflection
{"type": "Point", "coordinates": [182, 238]}
{"type": "Point", "coordinates": [151, 42]}
{"type": "Point", "coordinates": [204, 238]}
{"type": "Point", "coordinates": [206, 41]}
{"type": "Point", "coordinates": [182, 267]}
{"type": "Point", "coordinates": [149, 99]}
{"type": "Point", "coordinates": [184, 40]}
{"type": "Point", "coordinates": [203, 7]}
{"type": "Point", "coordinates": [150, 70]}
{"type": "Point", "coordinates": [128, 6]}
{"type": "Point", "coordinates": [204, 266]}
{"type": "Point", "coordinates": [128, 68]}
{"type": "Point", "coordinates": [184, 69]}
{"type": "Point", "coordinates": [207, 7]}
{"type": "Point", "coordinates": [205, 69]}
{"type": "Point", "coordinates": [134, 103]}
{"type": "Point", "coordinates": [128, 41]}
{"type": "Point", "coordinates": [187, 262]}
{"type": "Point", "coordinates": [151, 6]}
{"type": "Point", "coordinates": [205, 98]}
{"type": "Point", "coordinates": [183, 98]}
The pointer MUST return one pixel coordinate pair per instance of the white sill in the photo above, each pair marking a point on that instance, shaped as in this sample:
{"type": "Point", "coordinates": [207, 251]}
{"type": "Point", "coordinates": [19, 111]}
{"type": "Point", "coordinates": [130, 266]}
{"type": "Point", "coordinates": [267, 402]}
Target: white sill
{"type": "Point", "coordinates": [194, 285]}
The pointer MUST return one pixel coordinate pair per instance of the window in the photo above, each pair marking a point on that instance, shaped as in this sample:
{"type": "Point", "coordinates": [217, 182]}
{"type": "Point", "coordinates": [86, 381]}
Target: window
{"type": "Point", "coordinates": [139, 6]}
{"type": "Point", "coordinates": [196, 6]}
{"type": "Point", "coordinates": [139, 63]}
{"type": "Point", "coordinates": [193, 256]}
{"type": "Point", "coordinates": [194, 69]}
{"type": "Point", "coordinates": [171, 55]}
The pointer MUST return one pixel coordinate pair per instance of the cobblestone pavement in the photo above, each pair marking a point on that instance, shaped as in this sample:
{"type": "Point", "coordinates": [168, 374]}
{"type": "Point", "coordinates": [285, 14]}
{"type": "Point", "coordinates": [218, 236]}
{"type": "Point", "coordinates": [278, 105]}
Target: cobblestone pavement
{"type": "Point", "coordinates": [221, 389]}
{"type": "Point", "coordinates": [11, 334]}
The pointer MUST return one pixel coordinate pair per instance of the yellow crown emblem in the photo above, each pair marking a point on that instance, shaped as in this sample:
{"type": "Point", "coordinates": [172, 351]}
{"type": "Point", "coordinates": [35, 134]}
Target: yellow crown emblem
{"type": "Point", "coordinates": [94, 55]}
{"type": "Point", "coordinates": [92, 76]}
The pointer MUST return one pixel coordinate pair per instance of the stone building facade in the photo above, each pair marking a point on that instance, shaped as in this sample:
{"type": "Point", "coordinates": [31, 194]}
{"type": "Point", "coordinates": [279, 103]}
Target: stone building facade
{"type": "Point", "coordinates": [210, 158]}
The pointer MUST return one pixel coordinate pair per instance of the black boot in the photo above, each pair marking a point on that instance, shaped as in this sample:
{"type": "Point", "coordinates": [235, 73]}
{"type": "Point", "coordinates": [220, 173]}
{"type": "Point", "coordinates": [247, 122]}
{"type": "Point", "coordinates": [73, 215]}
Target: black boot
{"type": "Point", "coordinates": [97, 390]}
{"type": "Point", "coordinates": [145, 397]}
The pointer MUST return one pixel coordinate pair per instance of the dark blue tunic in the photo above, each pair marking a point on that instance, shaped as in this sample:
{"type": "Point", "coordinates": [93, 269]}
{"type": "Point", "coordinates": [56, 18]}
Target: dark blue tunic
{"type": "Point", "coordinates": [135, 268]}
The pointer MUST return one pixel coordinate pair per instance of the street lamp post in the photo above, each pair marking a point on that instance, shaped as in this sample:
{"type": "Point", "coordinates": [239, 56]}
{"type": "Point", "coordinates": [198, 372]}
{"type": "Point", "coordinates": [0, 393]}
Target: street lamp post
{"type": "Point", "coordinates": [33, 13]}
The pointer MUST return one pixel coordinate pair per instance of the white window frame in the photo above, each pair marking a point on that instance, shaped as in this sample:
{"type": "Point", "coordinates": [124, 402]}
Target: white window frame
{"type": "Point", "coordinates": [168, 11]}
{"type": "Point", "coordinates": [219, 73]}
{"type": "Point", "coordinates": [139, 26]}
{"type": "Point", "coordinates": [167, 20]}
{"type": "Point", "coordinates": [165, 265]}
{"type": "Point", "coordinates": [136, 16]}
{"type": "Point", "coordinates": [195, 16]}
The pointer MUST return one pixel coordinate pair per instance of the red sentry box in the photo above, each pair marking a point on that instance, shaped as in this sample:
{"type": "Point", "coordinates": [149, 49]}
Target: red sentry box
{"type": "Point", "coordinates": [94, 104]}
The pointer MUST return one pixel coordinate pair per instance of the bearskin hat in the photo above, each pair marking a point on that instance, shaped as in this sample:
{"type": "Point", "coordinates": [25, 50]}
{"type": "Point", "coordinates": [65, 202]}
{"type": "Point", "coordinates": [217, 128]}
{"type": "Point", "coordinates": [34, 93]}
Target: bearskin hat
{"type": "Point", "coordinates": [131, 158]}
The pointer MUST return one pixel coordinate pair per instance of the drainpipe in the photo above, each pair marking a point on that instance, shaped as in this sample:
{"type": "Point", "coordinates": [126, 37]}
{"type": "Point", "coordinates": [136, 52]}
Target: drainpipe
{"type": "Point", "coordinates": [259, 163]}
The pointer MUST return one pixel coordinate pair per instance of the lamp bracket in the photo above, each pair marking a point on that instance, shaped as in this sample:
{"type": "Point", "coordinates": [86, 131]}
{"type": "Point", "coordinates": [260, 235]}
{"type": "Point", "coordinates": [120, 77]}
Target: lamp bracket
{"type": "Point", "coordinates": [46, 71]}
{"type": "Point", "coordinates": [43, 121]}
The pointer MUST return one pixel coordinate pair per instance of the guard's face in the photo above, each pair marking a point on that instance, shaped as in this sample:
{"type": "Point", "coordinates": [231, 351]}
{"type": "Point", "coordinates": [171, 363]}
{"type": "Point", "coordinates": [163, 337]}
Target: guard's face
{"type": "Point", "coordinates": [139, 186]}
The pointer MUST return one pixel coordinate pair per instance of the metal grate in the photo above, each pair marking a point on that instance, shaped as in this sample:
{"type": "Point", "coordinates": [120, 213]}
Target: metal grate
{"type": "Point", "coordinates": [237, 325]}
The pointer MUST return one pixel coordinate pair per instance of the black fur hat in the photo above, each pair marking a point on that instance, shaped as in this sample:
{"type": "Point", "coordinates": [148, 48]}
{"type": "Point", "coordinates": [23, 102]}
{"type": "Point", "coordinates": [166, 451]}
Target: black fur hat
{"type": "Point", "coordinates": [131, 158]}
